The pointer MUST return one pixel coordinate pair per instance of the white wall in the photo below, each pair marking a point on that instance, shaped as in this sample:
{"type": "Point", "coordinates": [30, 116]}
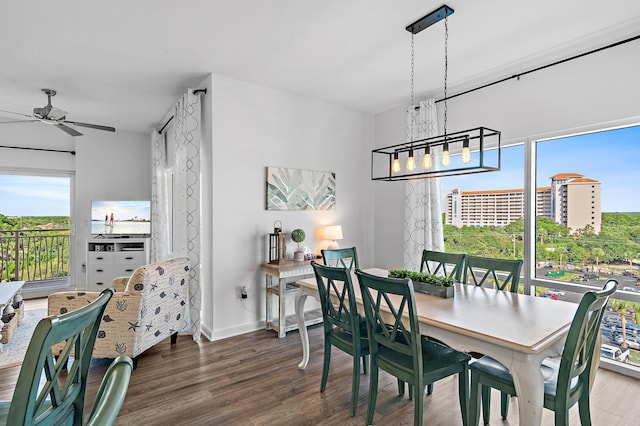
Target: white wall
{"type": "Point", "coordinates": [106, 166]}
{"type": "Point", "coordinates": [592, 92]}
{"type": "Point", "coordinates": [109, 166]}
{"type": "Point", "coordinates": [255, 127]}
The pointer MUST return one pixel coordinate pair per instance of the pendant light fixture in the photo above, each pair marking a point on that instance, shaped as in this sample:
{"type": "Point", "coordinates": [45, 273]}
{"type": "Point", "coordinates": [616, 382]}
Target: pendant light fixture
{"type": "Point", "coordinates": [470, 151]}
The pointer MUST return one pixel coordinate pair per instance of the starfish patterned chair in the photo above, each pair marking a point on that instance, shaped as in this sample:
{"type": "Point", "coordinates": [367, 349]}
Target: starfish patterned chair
{"type": "Point", "coordinates": [147, 307]}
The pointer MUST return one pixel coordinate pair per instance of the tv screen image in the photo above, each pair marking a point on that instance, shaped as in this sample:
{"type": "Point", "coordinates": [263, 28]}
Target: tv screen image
{"type": "Point", "coordinates": [121, 217]}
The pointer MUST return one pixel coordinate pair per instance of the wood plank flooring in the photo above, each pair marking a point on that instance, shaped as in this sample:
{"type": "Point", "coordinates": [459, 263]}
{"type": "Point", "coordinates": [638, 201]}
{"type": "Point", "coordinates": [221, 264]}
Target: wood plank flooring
{"type": "Point", "coordinates": [253, 379]}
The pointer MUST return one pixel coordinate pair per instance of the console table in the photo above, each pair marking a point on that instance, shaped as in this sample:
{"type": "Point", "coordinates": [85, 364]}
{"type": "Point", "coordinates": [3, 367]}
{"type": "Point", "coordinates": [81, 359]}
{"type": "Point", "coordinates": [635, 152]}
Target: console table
{"type": "Point", "coordinates": [8, 291]}
{"type": "Point", "coordinates": [281, 283]}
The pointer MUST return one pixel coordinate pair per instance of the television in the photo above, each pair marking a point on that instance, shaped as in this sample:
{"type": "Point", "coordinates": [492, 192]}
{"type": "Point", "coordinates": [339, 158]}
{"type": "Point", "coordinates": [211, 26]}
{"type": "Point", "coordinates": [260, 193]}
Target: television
{"type": "Point", "coordinates": [121, 218]}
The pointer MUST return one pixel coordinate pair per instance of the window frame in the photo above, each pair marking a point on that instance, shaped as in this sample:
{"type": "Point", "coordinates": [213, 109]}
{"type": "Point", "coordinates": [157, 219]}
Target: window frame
{"type": "Point", "coordinates": [530, 281]}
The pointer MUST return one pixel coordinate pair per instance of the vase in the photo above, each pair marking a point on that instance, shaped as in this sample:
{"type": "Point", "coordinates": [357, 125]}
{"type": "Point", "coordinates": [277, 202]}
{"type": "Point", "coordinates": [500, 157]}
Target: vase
{"type": "Point", "coordinates": [298, 256]}
{"type": "Point", "coordinates": [434, 290]}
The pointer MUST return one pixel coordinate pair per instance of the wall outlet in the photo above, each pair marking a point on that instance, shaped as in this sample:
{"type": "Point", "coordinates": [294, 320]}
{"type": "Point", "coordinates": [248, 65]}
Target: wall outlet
{"type": "Point", "coordinates": [243, 292]}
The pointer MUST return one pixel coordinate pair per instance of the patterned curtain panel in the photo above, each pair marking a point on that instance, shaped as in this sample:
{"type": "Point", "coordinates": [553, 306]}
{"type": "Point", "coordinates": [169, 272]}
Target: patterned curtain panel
{"type": "Point", "coordinates": [423, 215]}
{"type": "Point", "coordinates": [176, 198]}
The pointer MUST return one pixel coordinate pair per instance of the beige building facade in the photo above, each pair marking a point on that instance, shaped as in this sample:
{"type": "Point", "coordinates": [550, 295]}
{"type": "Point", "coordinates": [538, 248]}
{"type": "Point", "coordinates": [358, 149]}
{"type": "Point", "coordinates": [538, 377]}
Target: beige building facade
{"type": "Point", "coordinates": [571, 200]}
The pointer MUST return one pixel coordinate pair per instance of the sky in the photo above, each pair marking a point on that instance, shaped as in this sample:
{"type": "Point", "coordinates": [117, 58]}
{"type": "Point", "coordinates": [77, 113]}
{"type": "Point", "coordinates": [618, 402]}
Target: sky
{"type": "Point", "coordinates": [611, 157]}
{"type": "Point", "coordinates": [34, 195]}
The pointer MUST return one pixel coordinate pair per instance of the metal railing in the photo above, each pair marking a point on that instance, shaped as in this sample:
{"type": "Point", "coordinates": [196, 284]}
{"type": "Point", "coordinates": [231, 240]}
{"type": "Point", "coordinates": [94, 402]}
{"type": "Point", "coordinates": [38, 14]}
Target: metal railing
{"type": "Point", "coordinates": [34, 254]}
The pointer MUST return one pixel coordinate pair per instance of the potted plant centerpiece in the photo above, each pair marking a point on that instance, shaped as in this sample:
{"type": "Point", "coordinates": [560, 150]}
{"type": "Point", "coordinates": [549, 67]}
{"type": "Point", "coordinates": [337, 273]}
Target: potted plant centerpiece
{"type": "Point", "coordinates": [298, 236]}
{"type": "Point", "coordinates": [423, 282]}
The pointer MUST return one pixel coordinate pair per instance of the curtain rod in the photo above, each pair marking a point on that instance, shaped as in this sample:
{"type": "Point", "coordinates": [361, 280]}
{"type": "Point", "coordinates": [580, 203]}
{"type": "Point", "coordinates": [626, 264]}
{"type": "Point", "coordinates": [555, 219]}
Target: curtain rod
{"type": "Point", "coordinates": [517, 76]}
{"type": "Point", "coordinates": [195, 92]}
{"type": "Point", "coordinates": [38, 149]}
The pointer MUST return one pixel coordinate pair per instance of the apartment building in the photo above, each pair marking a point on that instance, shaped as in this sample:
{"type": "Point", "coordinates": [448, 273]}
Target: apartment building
{"type": "Point", "coordinates": [571, 200]}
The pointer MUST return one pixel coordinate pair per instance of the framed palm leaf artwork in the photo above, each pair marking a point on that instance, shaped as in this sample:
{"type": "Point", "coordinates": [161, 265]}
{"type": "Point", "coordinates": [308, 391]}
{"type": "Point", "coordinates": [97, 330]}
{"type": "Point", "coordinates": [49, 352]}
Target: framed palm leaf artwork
{"type": "Point", "coordinates": [296, 189]}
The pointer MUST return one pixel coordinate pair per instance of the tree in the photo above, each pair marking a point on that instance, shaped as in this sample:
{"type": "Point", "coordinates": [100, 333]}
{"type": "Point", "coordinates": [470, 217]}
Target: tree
{"type": "Point", "coordinates": [597, 252]}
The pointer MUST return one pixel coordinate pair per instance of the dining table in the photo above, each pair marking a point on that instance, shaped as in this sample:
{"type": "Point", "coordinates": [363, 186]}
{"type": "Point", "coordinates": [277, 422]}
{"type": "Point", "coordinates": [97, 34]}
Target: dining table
{"type": "Point", "coordinates": [518, 330]}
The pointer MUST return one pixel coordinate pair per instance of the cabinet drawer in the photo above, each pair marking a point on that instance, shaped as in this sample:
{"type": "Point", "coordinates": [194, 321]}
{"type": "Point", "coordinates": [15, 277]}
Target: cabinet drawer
{"type": "Point", "coordinates": [129, 257]}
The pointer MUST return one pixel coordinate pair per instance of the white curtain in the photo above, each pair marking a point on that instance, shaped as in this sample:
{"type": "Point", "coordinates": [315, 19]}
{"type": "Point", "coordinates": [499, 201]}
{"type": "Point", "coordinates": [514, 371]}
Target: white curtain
{"type": "Point", "coordinates": [423, 214]}
{"type": "Point", "coordinates": [176, 197]}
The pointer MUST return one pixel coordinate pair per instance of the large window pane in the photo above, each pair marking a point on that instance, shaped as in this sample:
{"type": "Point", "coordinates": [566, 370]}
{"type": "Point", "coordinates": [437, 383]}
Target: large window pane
{"type": "Point", "coordinates": [588, 228]}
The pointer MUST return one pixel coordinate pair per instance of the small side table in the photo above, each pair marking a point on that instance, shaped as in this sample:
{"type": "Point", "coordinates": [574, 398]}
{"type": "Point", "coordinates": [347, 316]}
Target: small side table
{"type": "Point", "coordinates": [281, 283]}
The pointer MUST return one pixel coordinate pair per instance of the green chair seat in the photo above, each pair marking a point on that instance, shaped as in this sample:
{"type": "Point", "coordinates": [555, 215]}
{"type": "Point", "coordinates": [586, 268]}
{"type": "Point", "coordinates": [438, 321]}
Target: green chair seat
{"type": "Point", "coordinates": [341, 258]}
{"type": "Point", "coordinates": [51, 390]}
{"type": "Point", "coordinates": [449, 265]}
{"type": "Point", "coordinates": [344, 328]}
{"type": "Point", "coordinates": [565, 383]}
{"type": "Point", "coordinates": [397, 347]}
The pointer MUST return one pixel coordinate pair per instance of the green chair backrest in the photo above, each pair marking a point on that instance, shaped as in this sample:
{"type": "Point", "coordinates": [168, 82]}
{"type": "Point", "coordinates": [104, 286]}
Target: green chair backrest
{"type": "Point", "coordinates": [577, 354]}
{"type": "Point", "coordinates": [337, 298]}
{"type": "Point", "coordinates": [502, 274]}
{"type": "Point", "coordinates": [341, 258]}
{"type": "Point", "coordinates": [445, 264]}
{"type": "Point", "coordinates": [61, 398]}
{"type": "Point", "coordinates": [392, 322]}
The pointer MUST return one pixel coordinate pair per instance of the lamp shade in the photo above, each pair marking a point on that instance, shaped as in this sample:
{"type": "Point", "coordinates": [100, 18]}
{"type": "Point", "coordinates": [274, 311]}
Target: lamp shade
{"type": "Point", "coordinates": [331, 233]}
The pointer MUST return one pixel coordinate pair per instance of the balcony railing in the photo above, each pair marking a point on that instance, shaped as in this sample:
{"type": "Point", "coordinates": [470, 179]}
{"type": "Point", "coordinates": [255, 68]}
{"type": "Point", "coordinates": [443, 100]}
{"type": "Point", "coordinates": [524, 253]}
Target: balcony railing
{"type": "Point", "coordinates": [34, 254]}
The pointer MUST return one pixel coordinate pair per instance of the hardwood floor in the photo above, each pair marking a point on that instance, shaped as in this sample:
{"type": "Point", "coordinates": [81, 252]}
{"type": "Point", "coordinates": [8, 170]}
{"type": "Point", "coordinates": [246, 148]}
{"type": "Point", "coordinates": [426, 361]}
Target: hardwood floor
{"type": "Point", "coordinates": [253, 379]}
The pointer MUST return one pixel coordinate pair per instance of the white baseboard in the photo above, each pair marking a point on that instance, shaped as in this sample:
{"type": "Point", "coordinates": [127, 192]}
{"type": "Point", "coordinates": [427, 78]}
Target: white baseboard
{"type": "Point", "coordinates": [213, 335]}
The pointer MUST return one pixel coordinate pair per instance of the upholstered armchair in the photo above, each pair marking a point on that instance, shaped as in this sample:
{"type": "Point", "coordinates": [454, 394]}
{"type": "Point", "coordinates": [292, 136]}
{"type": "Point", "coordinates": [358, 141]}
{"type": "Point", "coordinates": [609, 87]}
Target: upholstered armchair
{"type": "Point", "coordinates": [147, 308]}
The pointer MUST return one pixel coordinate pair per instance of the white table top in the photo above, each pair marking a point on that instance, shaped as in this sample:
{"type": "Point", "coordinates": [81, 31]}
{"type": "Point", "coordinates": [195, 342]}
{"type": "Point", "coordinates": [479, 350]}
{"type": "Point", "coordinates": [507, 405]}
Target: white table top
{"type": "Point", "coordinates": [519, 322]}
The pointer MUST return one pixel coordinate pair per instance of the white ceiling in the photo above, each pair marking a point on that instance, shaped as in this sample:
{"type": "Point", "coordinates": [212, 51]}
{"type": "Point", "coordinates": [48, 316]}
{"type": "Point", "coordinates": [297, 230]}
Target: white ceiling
{"type": "Point", "coordinates": [123, 63]}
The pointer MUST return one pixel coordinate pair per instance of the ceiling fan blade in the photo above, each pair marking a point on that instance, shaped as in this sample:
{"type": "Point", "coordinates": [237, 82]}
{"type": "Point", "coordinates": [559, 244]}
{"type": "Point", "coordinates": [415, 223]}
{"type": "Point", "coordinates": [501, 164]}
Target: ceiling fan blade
{"type": "Point", "coordinates": [16, 113]}
{"type": "Point", "coordinates": [18, 121]}
{"type": "Point", "coordinates": [92, 126]}
{"type": "Point", "coordinates": [69, 130]}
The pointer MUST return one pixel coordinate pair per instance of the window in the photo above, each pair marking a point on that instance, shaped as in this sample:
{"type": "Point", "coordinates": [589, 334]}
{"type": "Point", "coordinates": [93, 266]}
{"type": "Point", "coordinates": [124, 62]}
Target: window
{"type": "Point", "coordinates": [576, 252]}
{"type": "Point", "coordinates": [583, 217]}
{"type": "Point", "coordinates": [35, 230]}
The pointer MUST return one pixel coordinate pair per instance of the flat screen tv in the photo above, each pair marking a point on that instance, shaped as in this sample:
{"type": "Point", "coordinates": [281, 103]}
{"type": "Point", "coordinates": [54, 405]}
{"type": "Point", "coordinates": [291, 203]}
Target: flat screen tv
{"type": "Point", "coordinates": [121, 218]}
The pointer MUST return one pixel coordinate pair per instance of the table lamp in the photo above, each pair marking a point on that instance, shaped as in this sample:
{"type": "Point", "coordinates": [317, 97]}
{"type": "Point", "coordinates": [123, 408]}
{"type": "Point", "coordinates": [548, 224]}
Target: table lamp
{"type": "Point", "coordinates": [332, 233]}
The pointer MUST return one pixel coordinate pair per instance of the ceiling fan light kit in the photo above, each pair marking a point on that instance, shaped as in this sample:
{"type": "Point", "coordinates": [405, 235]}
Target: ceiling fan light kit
{"type": "Point", "coordinates": [460, 153]}
{"type": "Point", "coordinates": [49, 114]}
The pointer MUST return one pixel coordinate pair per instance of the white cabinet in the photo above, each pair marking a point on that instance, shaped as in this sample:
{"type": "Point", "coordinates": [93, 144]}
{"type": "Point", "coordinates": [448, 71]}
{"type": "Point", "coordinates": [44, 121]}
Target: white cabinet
{"type": "Point", "coordinates": [109, 258]}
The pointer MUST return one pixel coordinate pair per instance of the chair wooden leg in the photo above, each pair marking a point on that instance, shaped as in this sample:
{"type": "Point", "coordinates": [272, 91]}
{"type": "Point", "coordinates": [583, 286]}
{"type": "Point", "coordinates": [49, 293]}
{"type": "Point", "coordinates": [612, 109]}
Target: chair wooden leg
{"type": "Point", "coordinates": [504, 405]}
{"type": "Point", "coordinates": [365, 364]}
{"type": "Point", "coordinates": [486, 404]}
{"type": "Point", "coordinates": [410, 391]}
{"type": "Point", "coordinates": [474, 400]}
{"type": "Point", "coordinates": [325, 366]}
{"type": "Point", "coordinates": [418, 405]}
{"type": "Point", "coordinates": [400, 387]}
{"type": "Point", "coordinates": [135, 362]}
{"type": "Point", "coordinates": [584, 410]}
{"type": "Point", "coordinates": [355, 385]}
{"type": "Point", "coordinates": [429, 388]}
{"type": "Point", "coordinates": [174, 338]}
{"type": "Point", "coordinates": [463, 394]}
{"type": "Point", "coordinates": [373, 393]}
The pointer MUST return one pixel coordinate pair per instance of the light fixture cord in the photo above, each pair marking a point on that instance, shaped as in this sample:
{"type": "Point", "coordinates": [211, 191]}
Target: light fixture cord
{"type": "Point", "coordinates": [446, 69]}
{"type": "Point", "coordinates": [411, 107]}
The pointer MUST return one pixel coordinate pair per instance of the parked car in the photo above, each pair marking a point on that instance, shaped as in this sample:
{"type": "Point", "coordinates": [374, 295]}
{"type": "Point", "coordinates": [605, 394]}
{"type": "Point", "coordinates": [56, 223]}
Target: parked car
{"type": "Point", "coordinates": [633, 342]}
{"type": "Point", "coordinates": [633, 289]}
{"type": "Point", "coordinates": [613, 352]}
{"type": "Point", "coordinates": [631, 328]}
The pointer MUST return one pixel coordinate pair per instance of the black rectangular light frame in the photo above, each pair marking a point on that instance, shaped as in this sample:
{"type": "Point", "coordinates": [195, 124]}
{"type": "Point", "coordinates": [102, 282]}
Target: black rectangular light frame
{"type": "Point", "coordinates": [430, 19]}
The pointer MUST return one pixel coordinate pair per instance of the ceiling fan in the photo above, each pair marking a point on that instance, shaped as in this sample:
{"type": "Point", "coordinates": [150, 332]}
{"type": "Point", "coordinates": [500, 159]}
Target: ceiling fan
{"type": "Point", "coordinates": [49, 114]}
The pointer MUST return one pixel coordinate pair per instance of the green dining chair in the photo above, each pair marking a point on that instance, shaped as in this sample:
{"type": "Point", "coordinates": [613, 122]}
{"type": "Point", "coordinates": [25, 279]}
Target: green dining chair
{"type": "Point", "coordinates": [52, 391]}
{"type": "Point", "coordinates": [341, 258]}
{"type": "Point", "coordinates": [344, 328]}
{"type": "Point", "coordinates": [440, 263]}
{"type": "Point", "coordinates": [566, 383]}
{"type": "Point", "coordinates": [501, 274]}
{"type": "Point", "coordinates": [397, 347]}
